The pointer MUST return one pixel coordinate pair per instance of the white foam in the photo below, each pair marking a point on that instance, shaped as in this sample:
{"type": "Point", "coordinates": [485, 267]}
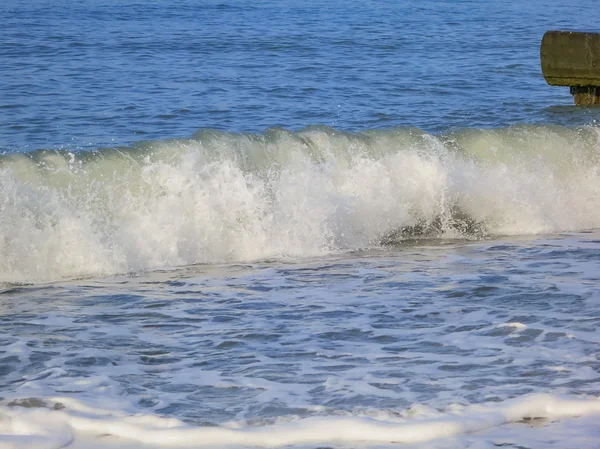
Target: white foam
{"type": "Point", "coordinates": [42, 428]}
{"type": "Point", "coordinates": [516, 325]}
{"type": "Point", "coordinates": [227, 197]}
{"type": "Point", "coordinates": [33, 429]}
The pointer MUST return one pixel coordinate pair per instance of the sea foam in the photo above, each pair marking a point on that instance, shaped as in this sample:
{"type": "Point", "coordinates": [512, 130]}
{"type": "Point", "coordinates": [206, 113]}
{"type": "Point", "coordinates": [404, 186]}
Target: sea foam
{"type": "Point", "coordinates": [48, 429]}
{"type": "Point", "coordinates": [224, 197]}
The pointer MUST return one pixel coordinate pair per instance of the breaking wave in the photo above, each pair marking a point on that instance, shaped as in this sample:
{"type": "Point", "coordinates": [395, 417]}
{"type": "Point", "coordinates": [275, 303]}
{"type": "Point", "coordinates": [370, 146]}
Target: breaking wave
{"type": "Point", "coordinates": [223, 197]}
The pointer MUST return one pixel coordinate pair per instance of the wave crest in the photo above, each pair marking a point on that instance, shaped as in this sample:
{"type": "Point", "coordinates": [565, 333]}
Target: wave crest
{"type": "Point", "coordinates": [222, 197]}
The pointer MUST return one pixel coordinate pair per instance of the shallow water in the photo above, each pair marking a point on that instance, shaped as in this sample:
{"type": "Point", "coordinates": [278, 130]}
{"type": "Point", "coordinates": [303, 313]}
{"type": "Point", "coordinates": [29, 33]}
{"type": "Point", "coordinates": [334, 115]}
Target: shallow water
{"type": "Point", "coordinates": [287, 224]}
{"type": "Point", "coordinates": [412, 332]}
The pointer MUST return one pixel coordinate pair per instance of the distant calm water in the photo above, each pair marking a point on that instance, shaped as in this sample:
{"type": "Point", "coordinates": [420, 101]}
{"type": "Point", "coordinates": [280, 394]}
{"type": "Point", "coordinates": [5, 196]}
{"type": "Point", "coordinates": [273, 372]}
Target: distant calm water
{"type": "Point", "coordinates": [296, 223]}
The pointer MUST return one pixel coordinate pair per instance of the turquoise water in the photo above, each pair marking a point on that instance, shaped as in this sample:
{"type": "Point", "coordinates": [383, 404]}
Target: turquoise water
{"type": "Point", "coordinates": [295, 224]}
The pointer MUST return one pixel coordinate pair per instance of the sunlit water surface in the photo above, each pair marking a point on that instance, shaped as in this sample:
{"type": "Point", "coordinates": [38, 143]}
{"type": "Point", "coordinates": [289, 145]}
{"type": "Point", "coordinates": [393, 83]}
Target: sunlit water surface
{"type": "Point", "coordinates": [352, 224]}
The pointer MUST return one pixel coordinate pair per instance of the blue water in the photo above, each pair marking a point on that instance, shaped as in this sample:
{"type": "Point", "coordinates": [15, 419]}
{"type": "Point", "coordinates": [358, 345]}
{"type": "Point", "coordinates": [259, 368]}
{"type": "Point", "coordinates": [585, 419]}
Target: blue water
{"type": "Point", "coordinates": [295, 224]}
{"type": "Point", "coordinates": [95, 74]}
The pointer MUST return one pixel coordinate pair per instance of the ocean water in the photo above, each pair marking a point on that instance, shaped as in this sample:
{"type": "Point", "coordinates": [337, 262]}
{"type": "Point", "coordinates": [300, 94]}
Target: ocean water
{"type": "Point", "coordinates": [359, 224]}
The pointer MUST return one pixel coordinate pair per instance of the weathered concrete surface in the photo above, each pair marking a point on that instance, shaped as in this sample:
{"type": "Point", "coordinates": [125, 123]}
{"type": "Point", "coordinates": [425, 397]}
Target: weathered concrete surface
{"type": "Point", "coordinates": [571, 58]}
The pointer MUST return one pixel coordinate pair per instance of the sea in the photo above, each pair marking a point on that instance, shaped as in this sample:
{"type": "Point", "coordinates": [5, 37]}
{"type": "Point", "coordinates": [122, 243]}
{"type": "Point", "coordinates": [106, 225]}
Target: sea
{"type": "Point", "coordinates": [295, 224]}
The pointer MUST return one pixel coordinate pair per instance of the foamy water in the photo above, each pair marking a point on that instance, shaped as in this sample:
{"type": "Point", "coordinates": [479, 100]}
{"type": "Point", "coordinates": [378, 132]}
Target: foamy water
{"type": "Point", "coordinates": [45, 429]}
{"type": "Point", "coordinates": [224, 197]}
{"type": "Point", "coordinates": [441, 344]}
{"type": "Point", "coordinates": [295, 224]}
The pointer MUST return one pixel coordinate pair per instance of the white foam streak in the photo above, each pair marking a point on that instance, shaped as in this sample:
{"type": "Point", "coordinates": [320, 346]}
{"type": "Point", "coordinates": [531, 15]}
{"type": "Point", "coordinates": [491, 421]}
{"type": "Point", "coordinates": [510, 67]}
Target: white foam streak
{"type": "Point", "coordinates": [42, 428]}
